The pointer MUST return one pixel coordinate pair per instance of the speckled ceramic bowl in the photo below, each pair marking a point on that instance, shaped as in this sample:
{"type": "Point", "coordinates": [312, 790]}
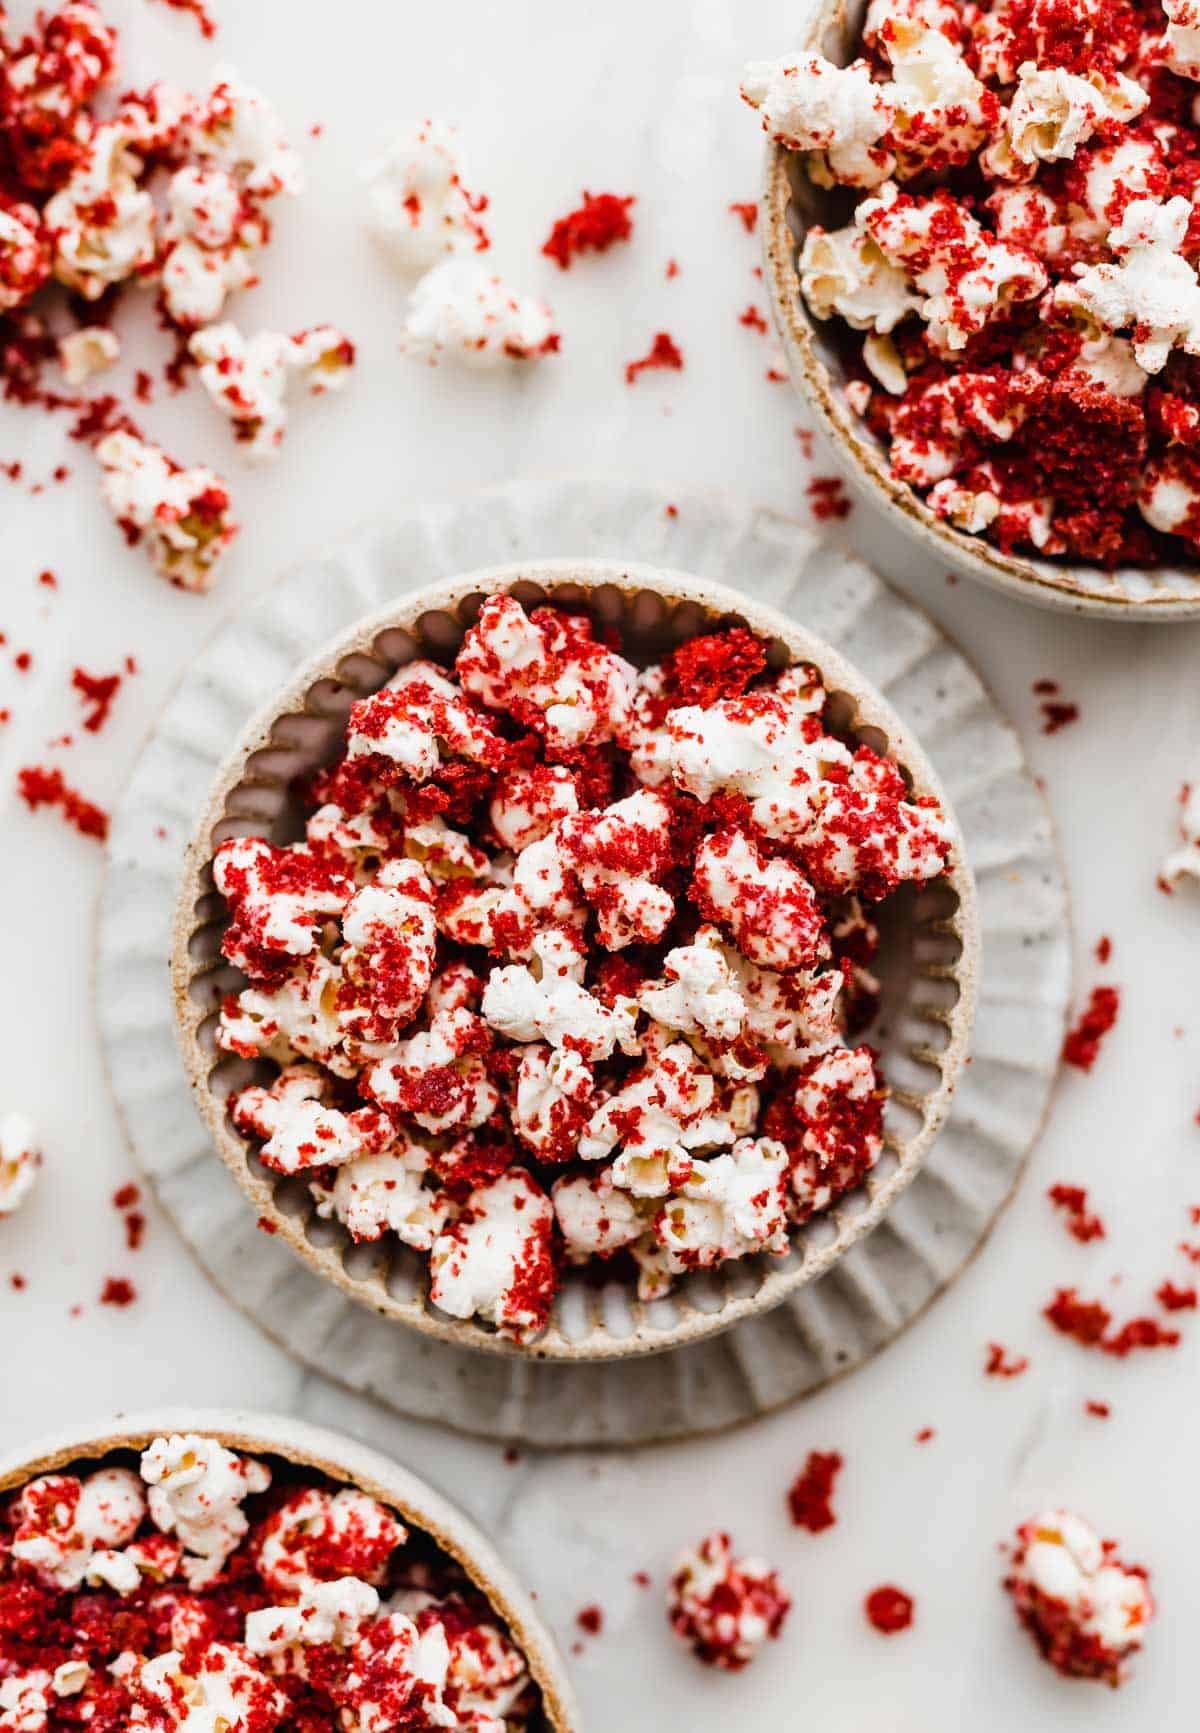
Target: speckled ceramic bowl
{"type": "Point", "coordinates": [305, 1446]}
{"type": "Point", "coordinates": [929, 960]}
{"type": "Point", "coordinates": [791, 205]}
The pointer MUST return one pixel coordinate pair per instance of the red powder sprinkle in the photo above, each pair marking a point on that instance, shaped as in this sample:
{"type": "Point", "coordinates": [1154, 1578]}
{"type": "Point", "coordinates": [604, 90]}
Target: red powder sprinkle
{"type": "Point", "coordinates": [748, 213]}
{"type": "Point", "coordinates": [642, 1579]}
{"type": "Point", "coordinates": [143, 386]}
{"type": "Point", "coordinates": [1104, 949]}
{"type": "Point", "coordinates": [60, 473]}
{"type": "Point", "coordinates": [591, 1620]}
{"type": "Point", "coordinates": [135, 1229]}
{"type": "Point", "coordinates": [23, 661]}
{"type": "Point", "coordinates": [40, 787]}
{"type": "Point", "coordinates": [126, 1197]}
{"type": "Point", "coordinates": [17, 1281]}
{"type": "Point", "coordinates": [999, 1365]}
{"type": "Point", "coordinates": [810, 1498]}
{"type": "Point", "coordinates": [672, 269]}
{"type": "Point", "coordinates": [593, 227]}
{"type": "Point", "coordinates": [48, 580]}
{"type": "Point", "coordinates": [267, 1226]}
{"type": "Point", "coordinates": [98, 692]}
{"type": "Point", "coordinates": [5, 715]}
{"type": "Point", "coordinates": [1173, 1299]}
{"type": "Point", "coordinates": [925, 1434]}
{"type": "Point", "coordinates": [1057, 715]}
{"type": "Point", "coordinates": [118, 1291]}
{"type": "Point", "coordinates": [753, 319]}
{"type": "Point", "coordinates": [664, 352]}
{"type": "Point", "coordinates": [1072, 1200]}
{"type": "Point", "coordinates": [1191, 1252]}
{"type": "Point", "coordinates": [316, 129]}
{"type": "Point", "coordinates": [828, 498]}
{"type": "Point", "coordinates": [775, 377]}
{"type": "Point", "coordinates": [75, 1312]}
{"type": "Point", "coordinates": [1082, 1045]}
{"type": "Point", "coordinates": [1140, 1333]}
{"type": "Point", "coordinates": [1100, 1410]}
{"type": "Point", "coordinates": [672, 511]}
{"type": "Point", "coordinates": [1045, 688]}
{"type": "Point", "coordinates": [131, 666]}
{"type": "Point", "coordinates": [889, 1609]}
{"type": "Point", "coordinates": [1087, 1322]}
{"type": "Point", "coordinates": [198, 11]}
{"type": "Point", "coordinates": [804, 435]}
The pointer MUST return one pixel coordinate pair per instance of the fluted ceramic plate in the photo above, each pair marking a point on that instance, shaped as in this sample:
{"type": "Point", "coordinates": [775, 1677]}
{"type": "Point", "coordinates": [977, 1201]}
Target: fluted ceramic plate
{"type": "Point", "coordinates": [885, 1280]}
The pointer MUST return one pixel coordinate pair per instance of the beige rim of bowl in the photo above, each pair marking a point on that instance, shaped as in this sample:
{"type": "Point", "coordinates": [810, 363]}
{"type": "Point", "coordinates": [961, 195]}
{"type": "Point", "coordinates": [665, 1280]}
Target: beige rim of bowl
{"type": "Point", "coordinates": [341, 1459]}
{"type": "Point", "coordinates": [300, 729]}
{"type": "Point", "coordinates": [791, 204]}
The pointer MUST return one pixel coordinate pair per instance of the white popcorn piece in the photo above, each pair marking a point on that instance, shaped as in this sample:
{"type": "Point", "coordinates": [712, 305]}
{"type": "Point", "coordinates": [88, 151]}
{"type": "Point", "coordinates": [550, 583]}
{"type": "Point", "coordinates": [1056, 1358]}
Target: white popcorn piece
{"type": "Point", "coordinates": [486, 1676]}
{"type": "Point", "coordinates": [297, 1018]}
{"type": "Point", "coordinates": [767, 905]}
{"type": "Point", "coordinates": [247, 377]}
{"type": "Point", "coordinates": [941, 112]}
{"type": "Point", "coordinates": [553, 1100]}
{"type": "Point", "coordinates": [546, 1003]}
{"type": "Point", "coordinates": [419, 209]}
{"type": "Point", "coordinates": [460, 309]}
{"type": "Point", "coordinates": [237, 129]}
{"type": "Point", "coordinates": [210, 241]}
{"type": "Point", "coordinates": [279, 899]}
{"type": "Point", "coordinates": [652, 1126]}
{"type": "Point", "coordinates": [1184, 862]}
{"type": "Point", "coordinates": [596, 1216]}
{"type": "Point", "coordinates": [1026, 216]}
{"type": "Point", "coordinates": [729, 1207]}
{"type": "Point", "coordinates": [386, 1193]}
{"type": "Point", "coordinates": [1113, 175]}
{"type": "Point", "coordinates": [64, 1522]}
{"type": "Point", "coordinates": [226, 1691]}
{"type": "Point", "coordinates": [90, 350]}
{"type": "Point", "coordinates": [868, 836]}
{"type": "Point", "coordinates": [834, 1104]}
{"type": "Point", "coordinates": [941, 15]}
{"type": "Point", "coordinates": [69, 1679]}
{"type": "Point", "coordinates": [954, 405]}
{"type": "Point", "coordinates": [102, 223]}
{"type": "Point", "coordinates": [182, 516]}
{"type": "Point", "coordinates": [1089, 1611]}
{"type": "Point", "coordinates": [406, 720]}
{"type": "Point", "coordinates": [972, 512]}
{"type": "Point", "coordinates": [725, 1608]}
{"type": "Point", "coordinates": [406, 1668]}
{"type": "Point", "coordinates": [527, 804]}
{"type": "Point", "coordinates": [615, 855]}
{"type": "Point", "coordinates": [789, 1014]}
{"type": "Point", "coordinates": [390, 947]}
{"type": "Point", "coordinates": [314, 1532]}
{"type": "Point", "coordinates": [25, 1702]}
{"type": "Point", "coordinates": [1169, 495]}
{"type": "Point", "coordinates": [327, 1613]}
{"type": "Point", "coordinates": [1053, 112]}
{"type": "Point", "coordinates": [495, 1262]}
{"type": "Point", "coordinates": [197, 1489]}
{"type": "Point", "coordinates": [1152, 288]}
{"type": "Point", "coordinates": [883, 361]}
{"type": "Point", "coordinates": [843, 274]}
{"type": "Point", "coordinates": [1182, 40]}
{"type": "Point", "coordinates": [809, 104]}
{"type": "Point", "coordinates": [438, 1075]}
{"type": "Point", "coordinates": [444, 853]}
{"type": "Point", "coordinates": [20, 1158]}
{"type": "Point", "coordinates": [24, 253]}
{"type": "Point", "coordinates": [699, 993]}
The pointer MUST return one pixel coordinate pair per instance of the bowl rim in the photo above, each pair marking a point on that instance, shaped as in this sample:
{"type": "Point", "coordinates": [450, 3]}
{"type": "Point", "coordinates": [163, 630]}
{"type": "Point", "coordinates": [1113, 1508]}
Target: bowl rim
{"type": "Point", "coordinates": [1031, 580]}
{"type": "Point", "coordinates": [631, 577]}
{"type": "Point", "coordinates": [341, 1458]}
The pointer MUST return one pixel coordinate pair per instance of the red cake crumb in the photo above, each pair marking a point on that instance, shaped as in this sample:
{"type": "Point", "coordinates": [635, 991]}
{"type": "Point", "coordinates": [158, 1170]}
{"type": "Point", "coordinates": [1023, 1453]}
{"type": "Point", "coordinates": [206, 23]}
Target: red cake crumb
{"type": "Point", "coordinates": [1099, 1410]}
{"type": "Point", "coordinates": [1000, 1365]}
{"type": "Point", "coordinates": [1072, 1200]}
{"type": "Point", "coordinates": [17, 1281]}
{"type": "Point", "coordinates": [753, 319]}
{"type": "Point", "coordinates": [889, 1609]}
{"type": "Point", "coordinates": [672, 511]}
{"type": "Point", "coordinates": [925, 1434]}
{"type": "Point", "coordinates": [1058, 715]}
{"type": "Point", "coordinates": [267, 1226]}
{"type": "Point", "coordinates": [1081, 1047]}
{"type": "Point", "coordinates": [126, 1197]}
{"type": "Point", "coordinates": [805, 438]}
{"type": "Point", "coordinates": [664, 352]}
{"type": "Point", "coordinates": [1104, 949]}
{"type": "Point", "coordinates": [828, 498]}
{"type": "Point", "coordinates": [48, 580]}
{"type": "Point", "coordinates": [672, 269]}
{"type": "Point", "coordinates": [714, 666]}
{"type": "Point", "coordinates": [198, 11]}
{"type": "Point", "coordinates": [747, 213]}
{"type": "Point", "coordinates": [774, 376]}
{"type": "Point", "coordinates": [810, 1498]}
{"type": "Point", "coordinates": [143, 384]}
{"type": "Point", "coordinates": [1087, 1322]}
{"type": "Point", "coordinates": [38, 786]}
{"type": "Point", "coordinates": [1173, 1299]}
{"type": "Point", "coordinates": [642, 1579]}
{"type": "Point", "coordinates": [118, 1291]}
{"type": "Point", "coordinates": [601, 220]}
{"type": "Point", "coordinates": [591, 1620]}
{"type": "Point", "coordinates": [23, 661]}
{"type": "Point", "coordinates": [98, 692]}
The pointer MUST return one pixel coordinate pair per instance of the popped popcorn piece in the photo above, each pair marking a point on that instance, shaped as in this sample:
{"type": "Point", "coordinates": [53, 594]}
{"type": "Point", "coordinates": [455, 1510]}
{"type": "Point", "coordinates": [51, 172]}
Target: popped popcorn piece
{"type": "Point", "coordinates": [966, 510]}
{"type": "Point", "coordinates": [102, 223]}
{"type": "Point", "coordinates": [236, 129]}
{"type": "Point", "coordinates": [496, 1261]}
{"type": "Point", "coordinates": [547, 670]}
{"type": "Point", "coordinates": [868, 836]}
{"type": "Point", "coordinates": [1085, 1609]}
{"type": "Point", "coordinates": [183, 516]}
{"type": "Point", "coordinates": [809, 104]}
{"type": "Point", "coordinates": [1152, 289]}
{"type": "Point", "coordinates": [699, 994]}
{"type": "Point", "coordinates": [941, 112]}
{"type": "Point", "coordinates": [299, 1130]}
{"type": "Point", "coordinates": [546, 1003]}
{"type": "Point", "coordinates": [419, 207]}
{"type": "Point", "coordinates": [941, 15]}
{"type": "Point", "coordinates": [291, 1018]}
{"type": "Point", "coordinates": [318, 1537]}
{"type": "Point", "coordinates": [1053, 112]}
{"type": "Point", "coordinates": [247, 377]}
{"type": "Point", "coordinates": [729, 1207]}
{"type": "Point", "coordinates": [327, 1613]}
{"type": "Point", "coordinates": [397, 1677]}
{"type": "Point", "coordinates": [438, 1076]}
{"type": "Point", "coordinates": [932, 428]}
{"type": "Point", "coordinates": [24, 253]}
{"type": "Point", "coordinates": [844, 274]}
{"type": "Point", "coordinates": [46, 81]}
{"type": "Point", "coordinates": [596, 1216]}
{"type": "Point", "coordinates": [63, 1522]}
{"type": "Point", "coordinates": [91, 349]}
{"type": "Point", "coordinates": [25, 1702]}
{"type": "Point", "coordinates": [788, 1014]}
{"type": "Point", "coordinates": [459, 308]}
{"type": "Point", "coordinates": [390, 944]}
{"type": "Point", "coordinates": [616, 856]}
{"type": "Point", "coordinates": [278, 899]}
{"type": "Point", "coordinates": [1169, 494]}
{"type": "Point", "coordinates": [725, 1608]}
{"type": "Point", "coordinates": [444, 853]}
{"type": "Point", "coordinates": [527, 804]}
{"type": "Point", "coordinates": [1182, 39]}
{"type": "Point", "coordinates": [385, 1193]}
{"type": "Point", "coordinates": [414, 716]}
{"type": "Point", "coordinates": [20, 1158]}
{"type": "Point", "coordinates": [486, 1676]}
{"type": "Point", "coordinates": [831, 1120]}
{"type": "Point", "coordinates": [1183, 862]}
{"type": "Point", "coordinates": [226, 1690]}
{"type": "Point", "coordinates": [768, 906]}
{"type": "Point", "coordinates": [197, 1489]}
{"type": "Point", "coordinates": [210, 240]}
{"type": "Point", "coordinates": [653, 1124]}
{"type": "Point", "coordinates": [553, 1101]}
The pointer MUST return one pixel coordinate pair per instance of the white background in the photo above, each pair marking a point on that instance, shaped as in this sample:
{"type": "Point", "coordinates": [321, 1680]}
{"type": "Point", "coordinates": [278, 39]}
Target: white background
{"type": "Point", "coordinates": [634, 98]}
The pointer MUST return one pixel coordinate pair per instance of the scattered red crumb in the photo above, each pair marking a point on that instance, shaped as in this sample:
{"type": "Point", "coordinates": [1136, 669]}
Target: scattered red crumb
{"type": "Point", "coordinates": [748, 212]}
{"type": "Point", "coordinates": [1045, 688]}
{"type": "Point", "coordinates": [1104, 949]}
{"type": "Point", "coordinates": [672, 511]}
{"type": "Point", "coordinates": [268, 1227]}
{"type": "Point", "coordinates": [1057, 715]}
{"type": "Point", "coordinates": [925, 1434]}
{"type": "Point", "coordinates": [48, 580]}
{"type": "Point", "coordinates": [804, 435]}
{"type": "Point", "coordinates": [126, 1197]}
{"type": "Point", "coordinates": [118, 1291]}
{"type": "Point", "coordinates": [642, 1579]}
{"type": "Point", "coordinates": [810, 1498]}
{"type": "Point", "coordinates": [664, 352]}
{"type": "Point", "coordinates": [889, 1609]}
{"type": "Point", "coordinates": [38, 786]}
{"type": "Point", "coordinates": [1072, 1200]}
{"type": "Point", "coordinates": [828, 498]}
{"type": "Point", "coordinates": [98, 692]}
{"type": "Point", "coordinates": [23, 661]}
{"type": "Point", "coordinates": [672, 269]}
{"type": "Point", "coordinates": [17, 1281]}
{"type": "Point", "coordinates": [594, 226]}
{"type": "Point", "coordinates": [1087, 1322]}
{"type": "Point", "coordinates": [5, 715]}
{"type": "Point", "coordinates": [135, 1229]}
{"type": "Point", "coordinates": [591, 1620]}
{"type": "Point", "coordinates": [131, 666]}
{"type": "Point", "coordinates": [1082, 1045]}
{"type": "Point", "coordinates": [1101, 1410]}
{"type": "Point", "coordinates": [1173, 1299]}
{"type": "Point", "coordinates": [999, 1365]}
{"type": "Point", "coordinates": [75, 1312]}
{"type": "Point", "coordinates": [1191, 1252]}
{"type": "Point", "coordinates": [316, 129]}
{"type": "Point", "coordinates": [143, 386]}
{"type": "Point", "coordinates": [753, 319]}
{"type": "Point", "coordinates": [60, 473]}
{"type": "Point", "coordinates": [198, 11]}
{"type": "Point", "coordinates": [775, 376]}
{"type": "Point", "coordinates": [512, 1454]}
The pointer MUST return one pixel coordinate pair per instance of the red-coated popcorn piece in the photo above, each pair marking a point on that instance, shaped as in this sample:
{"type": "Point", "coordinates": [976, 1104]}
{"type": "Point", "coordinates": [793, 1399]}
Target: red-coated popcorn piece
{"type": "Point", "coordinates": [277, 899]}
{"type": "Point", "coordinates": [767, 905]}
{"type": "Point", "coordinates": [868, 836]}
{"type": "Point", "coordinates": [182, 517]}
{"type": "Point", "coordinates": [831, 1119]}
{"type": "Point", "coordinates": [724, 1608]}
{"type": "Point", "coordinates": [388, 958]}
{"type": "Point", "coordinates": [24, 253]}
{"type": "Point", "coordinates": [1085, 1609]}
{"type": "Point", "coordinates": [497, 1259]}
{"type": "Point", "coordinates": [316, 1537]}
{"type": "Point", "coordinates": [46, 81]}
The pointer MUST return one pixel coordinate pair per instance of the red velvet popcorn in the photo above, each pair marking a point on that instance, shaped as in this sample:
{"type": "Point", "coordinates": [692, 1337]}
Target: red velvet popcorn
{"type": "Point", "coordinates": [725, 1608]}
{"type": "Point", "coordinates": [552, 976]}
{"type": "Point", "coordinates": [1086, 1610]}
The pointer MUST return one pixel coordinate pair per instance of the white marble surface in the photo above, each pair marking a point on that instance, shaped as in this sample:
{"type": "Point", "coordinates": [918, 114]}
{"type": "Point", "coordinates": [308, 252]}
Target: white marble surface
{"type": "Point", "coordinates": [639, 99]}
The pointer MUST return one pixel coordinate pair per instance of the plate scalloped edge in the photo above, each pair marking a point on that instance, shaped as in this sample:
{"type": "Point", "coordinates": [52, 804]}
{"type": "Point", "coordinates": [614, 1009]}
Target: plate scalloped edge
{"type": "Point", "coordinates": [829, 1328]}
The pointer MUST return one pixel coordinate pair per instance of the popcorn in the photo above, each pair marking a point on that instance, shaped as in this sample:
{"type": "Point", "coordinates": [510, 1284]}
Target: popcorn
{"type": "Point", "coordinates": [459, 308]}
{"type": "Point", "coordinates": [438, 1075]}
{"type": "Point", "coordinates": [496, 1261]}
{"type": "Point", "coordinates": [102, 223]}
{"type": "Point", "coordinates": [63, 1523]}
{"type": "Point", "coordinates": [210, 238]}
{"type": "Point", "coordinates": [299, 1131]}
{"type": "Point", "coordinates": [553, 1101]}
{"type": "Point", "coordinates": [831, 1119]}
{"type": "Point", "coordinates": [91, 349]}
{"type": "Point", "coordinates": [20, 1159]}
{"type": "Point", "coordinates": [667, 1110]}
{"type": "Point", "coordinates": [595, 1216]}
{"type": "Point", "coordinates": [319, 1537]}
{"type": "Point", "coordinates": [25, 1702]}
{"type": "Point", "coordinates": [868, 836]}
{"type": "Point", "coordinates": [724, 1608]}
{"type": "Point", "coordinates": [768, 906]}
{"type": "Point", "coordinates": [699, 995]}
{"type": "Point", "coordinates": [1184, 862]}
{"type": "Point", "coordinates": [616, 855]}
{"type": "Point", "coordinates": [941, 112]}
{"type": "Point", "coordinates": [237, 130]}
{"type": "Point", "coordinates": [1169, 494]}
{"type": "Point", "coordinates": [398, 1675]}
{"type": "Point", "coordinates": [843, 273]}
{"type": "Point", "coordinates": [1182, 40]}
{"type": "Point", "coordinates": [295, 1017]}
{"type": "Point", "coordinates": [528, 804]}
{"type": "Point", "coordinates": [486, 1677]}
{"type": "Point", "coordinates": [550, 1005]}
{"type": "Point", "coordinates": [1053, 112]}
{"type": "Point", "coordinates": [46, 80]}
{"type": "Point", "coordinates": [729, 1207]}
{"type": "Point", "coordinates": [809, 104]}
{"type": "Point", "coordinates": [1085, 1609]}
{"type": "Point", "coordinates": [182, 515]}
{"type": "Point", "coordinates": [385, 1193]}
{"type": "Point", "coordinates": [417, 714]}
{"type": "Point", "coordinates": [247, 378]}
{"type": "Point", "coordinates": [227, 1691]}
{"type": "Point", "coordinates": [326, 1613]}
{"type": "Point", "coordinates": [419, 207]}
{"type": "Point", "coordinates": [197, 1489]}
{"type": "Point", "coordinates": [1152, 288]}
{"type": "Point", "coordinates": [278, 899]}
{"type": "Point", "coordinates": [391, 939]}
{"type": "Point", "coordinates": [24, 253]}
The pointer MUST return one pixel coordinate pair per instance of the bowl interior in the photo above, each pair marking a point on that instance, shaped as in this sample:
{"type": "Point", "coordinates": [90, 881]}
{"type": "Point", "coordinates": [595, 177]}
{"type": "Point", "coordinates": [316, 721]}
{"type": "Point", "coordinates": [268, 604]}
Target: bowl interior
{"type": "Point", "coordinates": [926, 967]}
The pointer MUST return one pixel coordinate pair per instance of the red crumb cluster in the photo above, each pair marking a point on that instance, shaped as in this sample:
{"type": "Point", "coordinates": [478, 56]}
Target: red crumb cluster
{"type": "Point", "coordinates": [98, 693]}
{"type": "Point", "coordinates": [126, 1201]}
{"type": "Point", "coordinates": [1082, 1224]}
{"type": "Point", "coordinates": [1056, 714]}
{"type": "Point", "coordinates": [889, 1609]}
{"type": "Point", "coordinates": [664, 352]}
{"type": "Point", "coordinates": [597, 224]}
{"type": "Point", "coordinates": [39, 786]}
{"type": "Point", "coordinates": [1081, 1047]}
{"type": "Point", "coordinates": [810, 1498]}
{"type": "Point", "coordinates": [1001, 1364]}
{"type": "Point", "coordinates": [828, 499]}
{"type": "Point", "coordinates": [198, 11]}
{"type": "Point", "coordinates": [118, 1291]}
{"type": "Point", "coordinates": [747, 215]}
{"type": "Point", "coordinates": [1089, 1323]}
